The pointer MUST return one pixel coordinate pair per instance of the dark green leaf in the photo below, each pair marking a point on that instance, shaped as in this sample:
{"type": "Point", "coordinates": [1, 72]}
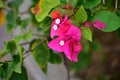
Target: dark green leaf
{"type": "Point", "coordinates": [24, 23]}
{"type": "Point", "coordinates": [86, 33]}
{"type": "Point", "coordinates": [17, 76]}
{"type": "Point", "coordinates": [16, 64]}
{"type": "Point", "coordinates": [55, 58]}
{"type": "Point", "coordinates": [84, 62]}
{"type": "Point", "coordinates": [91, 3]}
{"type": "Point", "coordinates": [3, 70]}
{"type": "Point", "coordinates": [45, 23]}
{"type": "Point", "coordinates": [63, 1]}
{"type": "Point", "coordinates": [15, 3]}
{"type": "Point", "coordinates": [41, 55]}
{"type": "Point", "coordinates": [81, 15]}
{"type": "Point", "coordinates": [11, 46]}
{"type": "Point", "coordinates": [111, 20]}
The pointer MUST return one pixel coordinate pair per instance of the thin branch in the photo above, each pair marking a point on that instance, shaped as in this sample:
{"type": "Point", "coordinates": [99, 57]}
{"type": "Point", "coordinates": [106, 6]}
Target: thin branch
{"type": "Point", "coordinates": [103, 1]}
{"type": "Point", "coordinates": [27, 53]}
{"type": "Point", "coordinates": [116, 4]}
{"type": "Point", "coordinates": [67, 67]}
{"type": "Point", "coordinates": [24, 43]}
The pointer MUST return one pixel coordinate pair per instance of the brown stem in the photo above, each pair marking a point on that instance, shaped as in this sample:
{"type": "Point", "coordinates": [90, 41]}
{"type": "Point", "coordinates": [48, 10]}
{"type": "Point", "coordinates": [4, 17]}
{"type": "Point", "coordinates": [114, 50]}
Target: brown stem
{"type": "Point", "coordinates": [67, 66]}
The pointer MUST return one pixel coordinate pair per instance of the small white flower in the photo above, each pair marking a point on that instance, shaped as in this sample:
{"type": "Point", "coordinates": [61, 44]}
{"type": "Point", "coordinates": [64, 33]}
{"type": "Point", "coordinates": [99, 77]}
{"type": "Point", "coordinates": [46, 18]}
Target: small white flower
{"type": "Point", "coordinates": [57, 21]}
{"type": "Point", "coordinates": [55, 27]}
{"type": "Point", "coordinates": [61, 42]}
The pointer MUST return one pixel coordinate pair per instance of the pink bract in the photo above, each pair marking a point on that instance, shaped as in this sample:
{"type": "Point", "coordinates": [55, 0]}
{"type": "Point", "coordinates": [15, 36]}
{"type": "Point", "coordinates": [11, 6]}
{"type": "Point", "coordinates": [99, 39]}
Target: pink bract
{"type": "Point", "coordinates": [99, 25]}
{"type": "Point", "coordinates": [62, 27]}
{"type": "Point", "coordinates": [68, 43]}
{"type": "Point", "coordinates": [87, 24]}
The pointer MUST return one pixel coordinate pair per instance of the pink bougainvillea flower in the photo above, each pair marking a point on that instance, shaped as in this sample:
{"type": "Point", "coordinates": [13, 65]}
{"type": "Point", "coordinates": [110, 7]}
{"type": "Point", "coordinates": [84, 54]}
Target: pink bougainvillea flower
{"type": "Point", "coordinates": [59, 26]}
{"type": "Point", "coordinates": [87, 24]}
{"type": "Point", "coordinates": [99, 25]}
{"type": "Point", "coordinates": [68, 43]}
{"type": "Point", "coordinates": [69, 46]}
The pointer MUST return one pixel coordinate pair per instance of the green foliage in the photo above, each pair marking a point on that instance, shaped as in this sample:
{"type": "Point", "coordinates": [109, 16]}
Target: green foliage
{"type": "Point", "coordinates": [15, 3]}
{"type": "Point", "coordinates": [46, 6]}
{"type": "Point", "coordinates": [55, 58]}
{"type": "Point", "coordinates": [24, 23]}
{"type": "Point", "coordinates": [83, 63]}
{"type": "Point", "coordinates": [18, 76]}
{"type": "Point", "coordinates": [11, 19]}
{"type": "Point", "coordinates": [86, 33]}
{"type": "Point", "coordinates": [25, 36]}
{"type": "Point", "coordinates": [11, 47]}
{"type": "Point", "coordinates": [41, 54]}
{"type": "Point", "coordinates": [3, 70]}
{"type": "Point", "coordinates": [111, 20]}
{"type": "Point", "coordinates": [81, 15]}
{"type": "Point", "coordinates": [72, 3]}
{"type": "Point", "coordinates": [91, 3]}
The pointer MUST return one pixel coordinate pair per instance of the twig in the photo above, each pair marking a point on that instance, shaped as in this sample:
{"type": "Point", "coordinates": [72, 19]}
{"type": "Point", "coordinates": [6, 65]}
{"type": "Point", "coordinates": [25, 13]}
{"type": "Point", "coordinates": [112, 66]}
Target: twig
{"type": "Point", "coordinates": [116, 4]}
{"type": "Point", "coordinates": [103, 1]}
{"type": "Point", "coordinates": [25, 54]}
{"type": "Point", "coordinates": [67, 67]}
{"type": "Point", "coordinates": [24, 43]}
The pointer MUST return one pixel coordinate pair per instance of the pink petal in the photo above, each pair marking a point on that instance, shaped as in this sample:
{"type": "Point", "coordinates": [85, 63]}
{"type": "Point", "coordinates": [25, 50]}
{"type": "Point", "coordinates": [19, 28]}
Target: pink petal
{"type": "Point", "coordinates": [65, 25]}
{"type": "Point", "coordinates": [67, 50]}
{"type": "Point", "coordinates": [77, 49]}
{"type": "Point", "coordinates": [87, 24]}
{"type": "Point", "coordinates": [74, 32]}
{"type": "Point", "coordinates": [99, 25]}
{"type": "Point", "coordinates": [53, 32]}
{"type": "Point", "coordinates": [55, 45]}
{"type": "Point", "coordinates": [71, 49]}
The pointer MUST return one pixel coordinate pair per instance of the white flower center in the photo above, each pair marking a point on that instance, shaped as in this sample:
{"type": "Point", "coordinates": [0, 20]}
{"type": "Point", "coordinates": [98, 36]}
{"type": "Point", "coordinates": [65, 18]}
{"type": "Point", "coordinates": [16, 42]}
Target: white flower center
{"type": "Point", "coordinates": [57, 21]}
{"type": "Point", "coordinates": [61, 42]}
{"type": "Point", "coordinates": [55, 27]}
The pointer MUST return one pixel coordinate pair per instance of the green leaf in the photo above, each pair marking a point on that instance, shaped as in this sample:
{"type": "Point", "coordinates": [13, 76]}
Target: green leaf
{"type": "Point", "coordinates": [63, 1]}
{"type": "Point", "coordinates": [45, 23]}
{"type": "Point", "coordinates": [17, 76]}
{"type": "Point", "coordinates": [3, 53]}
{"type": "Point", "coordinates": [83, 63]}
{"type": "Point", "coordinates": [81, 15]}
{"type": "Point", "coordinates": [1, 4]}
{"type": "Point", "coordinates": [46, 6]}
{"type": "Point", "coordinates": [86, 33]}
{"type": "Point", "coordinates": [11, 46]}
{"type": "Point", "coordinates": [11, 19]}
{"type": "Point", "coordinates": [3, 70]}
{"type": "Point", "coordinates": [24, 23]}
{"type": "Point", "coordinates": [111, 20]}
{"type": "Point", "coordinates": [15, 3]}
{"type": "Point", "coordinates": [41, 54]}
{"type": "Point", "coordinates": [26, 36]}
{"type": "Point", "coordinates": [55, 58]}
{"type": "Point", "coordinates": [72, 3]}
{"type": "Point", "coordinates": [91, 3]}
{"type": "Point", "coordinates": [16, 64]}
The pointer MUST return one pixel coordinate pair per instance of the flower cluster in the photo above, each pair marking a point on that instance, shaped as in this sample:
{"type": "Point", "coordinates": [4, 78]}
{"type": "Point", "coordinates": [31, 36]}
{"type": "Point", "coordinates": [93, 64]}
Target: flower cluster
{"type": "Point", "coordinates": [97, 24]}
{"type": "Point", "coordinates": [67, 36]}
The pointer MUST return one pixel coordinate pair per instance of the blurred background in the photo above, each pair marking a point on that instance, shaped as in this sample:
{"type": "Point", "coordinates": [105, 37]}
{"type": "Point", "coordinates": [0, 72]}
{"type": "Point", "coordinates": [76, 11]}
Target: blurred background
{"type": "Point", "coordinates": [99, 60]}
